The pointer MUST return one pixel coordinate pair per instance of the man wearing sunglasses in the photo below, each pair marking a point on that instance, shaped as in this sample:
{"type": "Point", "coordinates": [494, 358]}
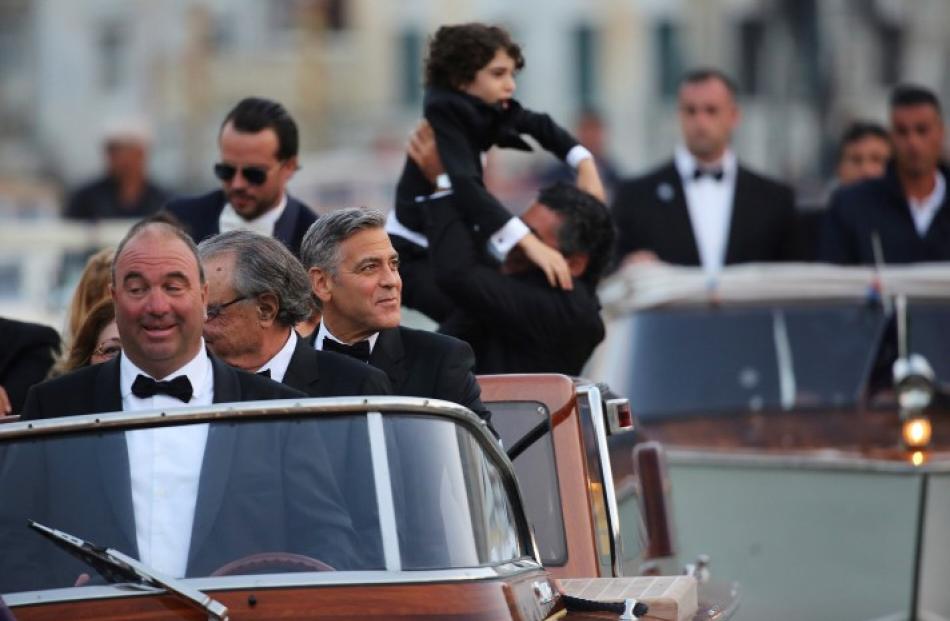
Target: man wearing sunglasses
{"type": "Point", "coordinates": [258, 145]}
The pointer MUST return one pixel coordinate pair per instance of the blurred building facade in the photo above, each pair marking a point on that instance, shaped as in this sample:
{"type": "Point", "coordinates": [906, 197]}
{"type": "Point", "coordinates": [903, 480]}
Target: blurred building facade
{"type": "Point", "coordinates": [350, 72]}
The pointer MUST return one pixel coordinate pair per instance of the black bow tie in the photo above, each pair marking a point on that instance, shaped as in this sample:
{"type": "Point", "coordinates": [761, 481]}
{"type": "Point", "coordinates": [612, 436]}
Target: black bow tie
{"type": "Point", "coordinates": [179, 387]}
{"type": "Point", "coordinates": [264, 373]}
{"type": "Point", "coordinates": [715, 174]}
{"type": "Point", "coordinates": [359, 350]}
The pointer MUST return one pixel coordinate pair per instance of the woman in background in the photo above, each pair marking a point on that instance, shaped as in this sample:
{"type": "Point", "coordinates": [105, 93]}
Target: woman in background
{"type": "Point", "coordinates": [97, 340]}
{"type": "Point", "coordinates": [92, 287]}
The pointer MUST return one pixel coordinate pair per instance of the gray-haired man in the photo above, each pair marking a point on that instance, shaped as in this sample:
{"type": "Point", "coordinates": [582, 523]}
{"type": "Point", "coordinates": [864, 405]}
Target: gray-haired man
{"type": "Point", "coordinates": [257, 291]}
{"type": "Point", "coordinates": [354, 271]}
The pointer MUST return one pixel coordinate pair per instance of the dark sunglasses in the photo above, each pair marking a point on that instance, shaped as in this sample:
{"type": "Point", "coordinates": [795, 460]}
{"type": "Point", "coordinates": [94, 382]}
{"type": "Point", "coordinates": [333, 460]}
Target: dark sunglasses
{"type": "Point", "coordinates": [255, 175]}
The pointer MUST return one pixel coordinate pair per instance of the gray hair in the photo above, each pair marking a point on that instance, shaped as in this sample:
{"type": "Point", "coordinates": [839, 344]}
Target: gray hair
{"type": "Point", "coordinates": [264, 265]}
{"type": "Point", "coordinates": [321, 245]}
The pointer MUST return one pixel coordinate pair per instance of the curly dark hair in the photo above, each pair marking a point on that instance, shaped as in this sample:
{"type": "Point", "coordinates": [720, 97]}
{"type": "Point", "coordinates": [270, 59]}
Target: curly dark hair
{"type": "Point", "coordinates": [456, 53]}
{"type": "Point", "coordinates": [587, 228]}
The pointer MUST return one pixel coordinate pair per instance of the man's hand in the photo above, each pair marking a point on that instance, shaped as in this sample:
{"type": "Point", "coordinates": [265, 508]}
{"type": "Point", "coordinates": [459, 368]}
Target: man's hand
{"type": "Point", "coordinates": [6, 407]}
{"type": "Point", "coordinates": [588, 179]}
{"type": "Point", "coordinates": [641, 257]}
{"type": "Point", "coordinates": [423, 151]}
{"type": "Point", "coordinates": [550, 261]}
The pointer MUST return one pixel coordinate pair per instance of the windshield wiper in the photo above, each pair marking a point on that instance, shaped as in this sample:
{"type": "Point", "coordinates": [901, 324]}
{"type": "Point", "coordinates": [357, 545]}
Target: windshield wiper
{"type": "Point", "coordinates": [117, 567]}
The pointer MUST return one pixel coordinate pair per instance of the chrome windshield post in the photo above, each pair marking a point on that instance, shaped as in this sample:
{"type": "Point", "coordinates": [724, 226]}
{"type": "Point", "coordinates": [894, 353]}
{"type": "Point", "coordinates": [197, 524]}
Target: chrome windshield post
{"type": "Point", "coordinates": [592, 394]}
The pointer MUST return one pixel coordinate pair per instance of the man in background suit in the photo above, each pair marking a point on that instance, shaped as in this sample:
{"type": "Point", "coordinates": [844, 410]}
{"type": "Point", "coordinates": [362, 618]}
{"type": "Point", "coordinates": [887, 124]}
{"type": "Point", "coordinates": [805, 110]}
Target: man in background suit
{"type": "Point", "coordinates": [25, 359]}
{"type": "Point", "coordinates": [257, 292]}
{"type": "Point", "coordinates": [258, 142]}
{"type": "Point", "coordinates": [183, 499]}
{"type": "Point", "coordinates": [513, 319]}
{"type": "Point", "coordinates": [703, 207]}
{"type": "Point", "coordinates": [903, 216]}
{"type": "Point", "coordinates": [354, 271]}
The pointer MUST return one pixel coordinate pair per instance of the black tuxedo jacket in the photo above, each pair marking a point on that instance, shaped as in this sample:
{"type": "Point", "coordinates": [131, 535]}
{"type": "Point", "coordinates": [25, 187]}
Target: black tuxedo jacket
{"type": "Point", "coordinates": [95, 389]}
{"type": "Point", "coordinates": [262, 488]}
{"type": "Point", "coordinates": [514, 323]}
{"type": "Point", "coordinates": [25, 357]}
{"type": "Point", "coordinates": [329, 374]}
{"type": "Point", "coordinates": [878, 206]}
{"type": "Point", "coordinates": [419, 363]}
{"type": "Point", "coordinates": [651, 214]}
{"type": "Point", "coordinates": [200, 215]}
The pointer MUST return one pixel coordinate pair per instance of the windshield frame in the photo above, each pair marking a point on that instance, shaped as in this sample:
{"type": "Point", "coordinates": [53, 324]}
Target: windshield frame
{"type": "Point", "coordinates": [282, 409]}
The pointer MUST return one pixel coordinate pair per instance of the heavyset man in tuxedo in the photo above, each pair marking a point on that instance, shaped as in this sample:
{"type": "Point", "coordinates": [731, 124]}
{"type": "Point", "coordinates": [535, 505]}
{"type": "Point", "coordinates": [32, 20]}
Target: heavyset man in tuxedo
{"type": "Point", "coordinates": [354, 271]}
{"type": "Point", "coordinates": [183, 499]}
{"type": "Point", "coordinates": [258, 143]}
{"type": "Point", "coordinates": [703, 207]}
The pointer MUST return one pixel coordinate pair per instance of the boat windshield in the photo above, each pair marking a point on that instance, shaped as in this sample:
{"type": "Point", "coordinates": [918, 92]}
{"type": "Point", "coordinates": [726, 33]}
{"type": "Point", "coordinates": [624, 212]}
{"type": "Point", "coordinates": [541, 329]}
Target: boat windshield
{"type": "Point", "coordinates": [689, 361]}
{"type": "Point", "coordinates": [334, 491]}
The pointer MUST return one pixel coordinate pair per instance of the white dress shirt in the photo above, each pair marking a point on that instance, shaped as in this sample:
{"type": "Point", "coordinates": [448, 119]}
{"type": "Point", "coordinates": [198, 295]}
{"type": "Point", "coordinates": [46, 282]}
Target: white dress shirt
{"type": "Point", "coordinates": [709, 202]}
{"type": "Point", "coordinates": [924, 210]}
{"type": "Point", "coordinates": [281, 360]}
{"type": "Point", "coordinates": [165, 467]}
{"type": "Point", "coordinates": [230, 220]}
{"type": "Point", "coordinates": [323, 333]}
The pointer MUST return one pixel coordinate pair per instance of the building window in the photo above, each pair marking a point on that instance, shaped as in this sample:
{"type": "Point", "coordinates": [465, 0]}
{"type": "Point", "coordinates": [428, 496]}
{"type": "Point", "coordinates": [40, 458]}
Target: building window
{"type": "Point", "coordinates": [890, 43]}
{"type": "Point", "coordinates": [669, 57]}
{"type": "Point", "coordinates": [112, 54]}
{"type": "Point", "coordinates": [410, 58]}
{"type": "Point", "coordinates": [751, 45]}
{"type": "Point", "coordinates": [586, 57]}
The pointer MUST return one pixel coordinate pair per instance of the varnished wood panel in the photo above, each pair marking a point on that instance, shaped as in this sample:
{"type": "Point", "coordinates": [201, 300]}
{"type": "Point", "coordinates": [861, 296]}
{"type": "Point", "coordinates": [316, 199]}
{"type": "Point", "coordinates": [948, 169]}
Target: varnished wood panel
{"type": "Point", "coordinates": [469, 601]}
{"type": "Point", "coordinates": [557, 393]}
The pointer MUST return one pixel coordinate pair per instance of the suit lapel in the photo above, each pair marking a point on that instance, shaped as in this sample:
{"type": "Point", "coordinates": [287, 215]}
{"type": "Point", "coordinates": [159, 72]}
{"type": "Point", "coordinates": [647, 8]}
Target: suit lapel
{"type": "Point", "coordinates": [113, 453]}
{"type": "Point", "coordinates": [219, 453]}
{"type": "Point", "coordinates": [227, 387]}
{"type": "Point", "coordinates": [107, 394]}
{"type": "Point", "coordinates": [388, 355]}
{"type": "Point", "coordinates": [302, 372]}
{"type": "Point", "coordinates": [284, 227]}
{"type": "Point", "coordinates": [678, 226]}
{"type": "Point", "coordinates": [215, 471]}
{"type": "Point", "coordinates": [743, 214]}
{"type": "Point", "coordinates": [113, 458]}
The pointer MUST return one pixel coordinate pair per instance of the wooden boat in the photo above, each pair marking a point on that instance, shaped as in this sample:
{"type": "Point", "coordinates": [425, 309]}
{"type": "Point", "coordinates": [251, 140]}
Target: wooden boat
{"type": "Point", "coordinates": [441, 527]}
{"type": "Point", "coordinates": [803, 414]}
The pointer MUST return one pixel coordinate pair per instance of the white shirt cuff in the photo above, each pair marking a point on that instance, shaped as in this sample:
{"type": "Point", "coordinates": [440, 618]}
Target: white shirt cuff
{"type": "Point", "coordinates": [505, 238]}
{"type": "Point", "coordinates": [577, 155]}
{"type": "Point", "coordinates": [395, 227]}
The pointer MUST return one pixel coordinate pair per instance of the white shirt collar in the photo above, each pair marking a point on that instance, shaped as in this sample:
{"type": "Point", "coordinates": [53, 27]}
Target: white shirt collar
{"type": "Point", "coordinates": [281, 360]}
{"type": "Point", "coordinates": [686, 164]}
{"type": "Point", "coordinates": [198, 370]}
{"type": "Point", "coordinates": [230, 220]}
{"type": "Point", "coordinates": [924, 209]}
{"type": "Point", "coordinates": [323, 333]}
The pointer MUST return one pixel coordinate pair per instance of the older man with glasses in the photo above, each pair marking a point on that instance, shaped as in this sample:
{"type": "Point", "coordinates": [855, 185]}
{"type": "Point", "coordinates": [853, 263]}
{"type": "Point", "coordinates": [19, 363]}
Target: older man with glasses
{"type": "Point", "coordinates": [258, 145]}
{"type": "Point", "coordinates": [257, 292]}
